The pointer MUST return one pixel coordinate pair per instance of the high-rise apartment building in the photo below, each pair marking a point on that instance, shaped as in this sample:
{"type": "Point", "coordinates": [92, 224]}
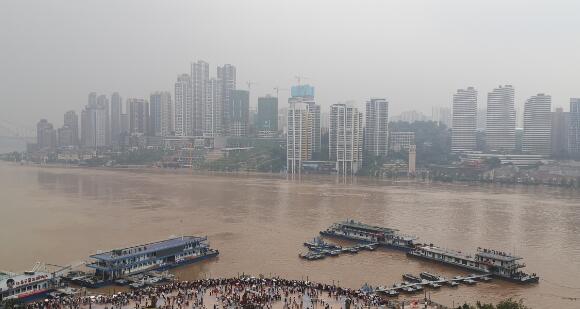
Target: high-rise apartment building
{"type": "Point", "coordinates": [239, 113]}
{"type": "Point", "coordinates": [345, 138]}
{"type": "Point", "coordinates": [213, 123]}
{"type": "Point", "coordinates": [501, 119]}
{"type": "Point", "coordinates": [267, 118]}
{"type": "Point", "coordinates": [199, 85]}
{"type": "Point", "coordinates": [94, 123]}
{"type": "Point", "coordinates": [538, 125]}
{"type": "Point", "coordinates": [299, 137]}
{"type": "Point", "coordinates": [103, 102]}
{"type": "Point", "coordinates": [71, 120]}
{"type": "Point", "coordinates": [65, 136]}
{"type": "Point", "coordinates": [305, 94]}
{"type": "Point", "coordinates": [45, 135]}
{"type": "Point", "coordinates": [463, 132]}
{"type": "Point", "coordinates": [160, 114]}
{"type": "Point", "coordinates": [116, 111]}
{"type": "Point", "coordinates": [226, 76]}
{"type": "Point", "coordinates": [183, 106]}
{"type": "Point", "coordinates": [138, 111]}
{"type": "Point", "coordinates": [574, 128]}
{"type": "Point", "coordinates": [377, 127]}
{"type": "Point", "coordinates": [559, 139]}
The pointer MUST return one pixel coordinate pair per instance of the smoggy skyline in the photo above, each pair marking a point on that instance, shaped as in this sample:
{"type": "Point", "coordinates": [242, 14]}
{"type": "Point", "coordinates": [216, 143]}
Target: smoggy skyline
{"type": "Point", "coordinates": [414, 53]}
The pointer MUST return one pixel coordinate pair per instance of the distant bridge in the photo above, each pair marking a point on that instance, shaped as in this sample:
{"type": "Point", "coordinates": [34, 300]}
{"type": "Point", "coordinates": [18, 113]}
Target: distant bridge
{"type": "Point", "coordinates": [14, 130]}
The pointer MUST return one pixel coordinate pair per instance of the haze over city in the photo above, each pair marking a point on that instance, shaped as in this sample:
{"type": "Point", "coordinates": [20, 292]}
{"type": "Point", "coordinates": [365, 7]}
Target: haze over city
{"type": "Point", "coordinates": [289, 154]}
{"type": "Point", "coordinates": [414, 53]}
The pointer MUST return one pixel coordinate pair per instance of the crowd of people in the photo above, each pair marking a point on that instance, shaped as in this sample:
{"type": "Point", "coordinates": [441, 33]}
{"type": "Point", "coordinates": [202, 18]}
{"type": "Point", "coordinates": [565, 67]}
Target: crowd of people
{"type": "Point", "coordinates": [242, 292]}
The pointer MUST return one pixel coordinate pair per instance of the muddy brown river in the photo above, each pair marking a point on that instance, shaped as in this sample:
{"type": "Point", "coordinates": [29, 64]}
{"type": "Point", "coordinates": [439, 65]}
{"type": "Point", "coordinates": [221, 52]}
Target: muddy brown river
{"type": "Point", "coordinates": [259, 223]}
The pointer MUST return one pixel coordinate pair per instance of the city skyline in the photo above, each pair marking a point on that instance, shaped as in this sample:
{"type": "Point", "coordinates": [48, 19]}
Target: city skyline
{"type": "Point", "coordinates": [139, 65]}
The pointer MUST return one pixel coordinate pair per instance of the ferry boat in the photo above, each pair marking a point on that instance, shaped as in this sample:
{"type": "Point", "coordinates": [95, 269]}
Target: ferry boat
{"type": "Point", "coordinates": [26, 286]}
{"type": "Point", "coordinates": [160, 255]}
{"type": "Point", "coordinates": [361, 232]}
{"type": "Point", "coordinates": [496, 263]}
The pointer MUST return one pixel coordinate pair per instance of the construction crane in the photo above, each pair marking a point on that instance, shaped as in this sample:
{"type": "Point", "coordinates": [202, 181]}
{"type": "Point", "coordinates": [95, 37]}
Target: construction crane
{"type": "Point", "coordinates": [278, 89]}
{"type": "Point", "coordinates": [300, 78]}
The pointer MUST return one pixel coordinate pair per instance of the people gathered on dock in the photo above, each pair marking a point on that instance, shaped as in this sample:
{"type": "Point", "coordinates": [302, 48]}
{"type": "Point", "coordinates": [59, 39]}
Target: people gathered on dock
{"type": "Point", "coordinates": [242, 292]}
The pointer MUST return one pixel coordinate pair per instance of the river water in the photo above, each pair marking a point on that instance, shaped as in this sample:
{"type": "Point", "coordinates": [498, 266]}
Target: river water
{"type": "Point", "coordinates": [259, 223]}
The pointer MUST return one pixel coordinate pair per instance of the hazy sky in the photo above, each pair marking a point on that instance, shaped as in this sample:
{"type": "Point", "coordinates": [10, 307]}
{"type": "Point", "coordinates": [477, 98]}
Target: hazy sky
{"type": "Point", "coordinates": [414, 53]}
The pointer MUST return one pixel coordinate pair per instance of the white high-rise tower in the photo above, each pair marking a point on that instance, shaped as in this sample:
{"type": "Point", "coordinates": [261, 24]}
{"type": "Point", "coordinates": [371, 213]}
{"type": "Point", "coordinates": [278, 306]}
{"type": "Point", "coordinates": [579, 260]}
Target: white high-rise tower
{"type": "Point", "coordinates": [501, 120]}
{"type": "Point", "coordinates": [464, 120]}
{"type": "Point", "coordinates": [538, 125]}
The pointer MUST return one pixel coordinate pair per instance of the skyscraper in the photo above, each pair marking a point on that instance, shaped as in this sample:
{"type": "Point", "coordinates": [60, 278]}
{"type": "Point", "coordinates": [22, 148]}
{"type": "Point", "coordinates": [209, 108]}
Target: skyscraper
{"type": "Point", "coordinates": [65, 136]}
{"type": "Point", "coordinates": [574, 128]}
{"type": "Point", "coordinates": [213, 123]}
{"type": "Point", "coordinates": [116, 111]}
{"type": "Point", "coordinates": [267, 119]}
{"type": "Point", "coordinates": [160, 114]}
{"type": "Point", "coordinates": [94, 122]}
{"type": "Point", "coordinates": [71, 120]}
{"type": "Point", "coordinates": [345, 138]}
{"type": "Point", "coordinates": [103, 102]}
{"type": "Point", "coordinates": [299, 137]}
{"type": "Point", "coordinates": [560, 123]}
{"type": "Point", "coordinates": [501, 119]}
{"type": "Point", "coordinates": [183, 106]}
{"type": "Point", "coordinates": [138, 110]}
{"type": "Point", "coordinates": [537, 125]}
{"type": "Point", "coordinates": [239, 113]}
{"type": "Point", "coordinates": [463, 132]}
{"type": "Point", "coordinates": [45, 135]}
{"type": "Point", "coordinates": [377, 127]}
{"type": "Point", "coordinates": [305, 94]}
{"type": "Point", "coordinates": [199, 85]}
{"type": "Point", "coordinates": [226, 76]}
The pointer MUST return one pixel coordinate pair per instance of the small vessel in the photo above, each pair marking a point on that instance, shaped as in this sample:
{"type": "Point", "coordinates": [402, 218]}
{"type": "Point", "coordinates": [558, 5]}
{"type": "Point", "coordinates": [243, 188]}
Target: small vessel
{"type": "Point", "coordinates": [391, 293]}
{"type": "Point", "coordinates": [412, 278]}
{"type": "Point", "coordinates": [430, 276]}
{"type": "Point", "coordinates": [408, 289]}
{"type": "Point", "coordinates": [311, 256]}
{"type": "Point", "coordinates": [319, 243]}
{"type": "Point", "coordinates": [452, 284]}
{"type": "Point", "coordinates": [434, 285]}
{"type": "Point", "coordinates": [350, 250]}
{"type": "Point", "coordinates": [418, 287]}
{"type": "Point", "coordinates": [469, 281]}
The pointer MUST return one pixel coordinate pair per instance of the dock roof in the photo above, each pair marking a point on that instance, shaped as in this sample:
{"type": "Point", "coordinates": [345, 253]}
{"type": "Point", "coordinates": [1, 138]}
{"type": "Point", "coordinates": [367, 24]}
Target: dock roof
{"type": "Point", "coordinates": [146, 248]}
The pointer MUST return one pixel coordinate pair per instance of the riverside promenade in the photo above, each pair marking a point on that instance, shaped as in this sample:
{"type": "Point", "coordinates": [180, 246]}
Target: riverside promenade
{"type": "Point", "coordinates": [244, 292]}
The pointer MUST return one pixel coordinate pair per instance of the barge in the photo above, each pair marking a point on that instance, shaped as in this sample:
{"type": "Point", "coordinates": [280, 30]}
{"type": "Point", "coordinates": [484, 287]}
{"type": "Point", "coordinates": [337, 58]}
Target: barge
{"type": "Point", "coordinates": [499, 264]}
{"type": "Point", "coordinates": [360, 232]}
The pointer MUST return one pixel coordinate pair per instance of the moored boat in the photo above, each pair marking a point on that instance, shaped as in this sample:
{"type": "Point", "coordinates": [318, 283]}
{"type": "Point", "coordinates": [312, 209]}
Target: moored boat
{"type": "Point", "coordinates": [485, 261]}
{"type": "Point", "coordinates": [365, 233]}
